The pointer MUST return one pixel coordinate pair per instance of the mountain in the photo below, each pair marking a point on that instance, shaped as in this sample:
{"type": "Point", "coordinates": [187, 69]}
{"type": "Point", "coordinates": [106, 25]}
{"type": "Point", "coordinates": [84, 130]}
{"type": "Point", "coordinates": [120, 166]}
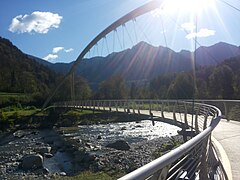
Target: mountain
{"type": "Point", "coordinates": [213, 55]}
{"type": "Point", "coordinates": [141, 62]}
{"type": "Point", "coordinates": [144, 62]}
{"type": "Point", "coordinates": [19, 73]}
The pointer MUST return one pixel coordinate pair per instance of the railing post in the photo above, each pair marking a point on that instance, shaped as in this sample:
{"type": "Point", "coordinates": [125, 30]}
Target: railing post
{"type": "Point", "coordinates": [226, 111]}
{"type": "Point", "coordinates": [150, 108]}
{"type": "Point", "coordinates": [116, 105]}
{"type": "Point", "coordinates": [162, 110]}
{"type": "Point", "coordinates": [104, 105]}
{"type": "Point", "coordinates": [185, 115]}
{"type": "Point", "coordinates": [93, 106]}
{"type": "Point", "coordinates": [161, 174]}
{"type": "Point", "coordinates": [196, 120]}
{"type": "Point", "coordinates": [174, 112]}
{"type": "Point", "coordinates": [139, 103]}
{"type": "Point", "coordinates": [203, 174]}
{"type": "Point", "coordinates": [128, 110]}
{"type": "Point", "coordinates": [206, 119]}
{"type": "Point", "coordinates": [134, 106]}
{"type": "Point", "coordinates": [109, 106]}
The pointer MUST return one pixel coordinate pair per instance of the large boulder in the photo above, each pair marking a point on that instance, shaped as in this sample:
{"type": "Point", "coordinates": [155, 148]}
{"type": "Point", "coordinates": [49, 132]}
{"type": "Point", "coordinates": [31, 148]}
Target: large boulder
{"type": "Point", "coordinates": [19, 134]}
{"type": "Point", "coordinates": [119, 145]}
{"type": "Point", "coordinates": [43, 150]}
{"type": "Point", "coordinates": [32, 161]}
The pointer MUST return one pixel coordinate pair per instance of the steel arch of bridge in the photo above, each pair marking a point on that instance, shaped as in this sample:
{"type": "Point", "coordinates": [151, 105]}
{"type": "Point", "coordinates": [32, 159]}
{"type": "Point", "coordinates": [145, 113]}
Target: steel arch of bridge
{"type": "Point", "coordinates": [150, 6]}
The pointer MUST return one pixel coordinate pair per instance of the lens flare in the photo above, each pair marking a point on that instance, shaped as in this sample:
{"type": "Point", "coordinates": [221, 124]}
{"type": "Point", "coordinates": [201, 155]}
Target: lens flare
{"type": "Point", "coordinates": [184, 6]}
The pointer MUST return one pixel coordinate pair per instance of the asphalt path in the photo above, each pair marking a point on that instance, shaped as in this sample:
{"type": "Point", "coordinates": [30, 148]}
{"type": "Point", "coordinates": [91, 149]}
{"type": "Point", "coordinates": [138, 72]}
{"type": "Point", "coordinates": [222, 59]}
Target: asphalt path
{"type": "Point", "coordinates": [228, 135]}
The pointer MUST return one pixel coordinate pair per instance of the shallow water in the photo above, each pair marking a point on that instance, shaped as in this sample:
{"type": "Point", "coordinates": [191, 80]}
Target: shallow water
{"type": "Point", "coordinates": [129, 131]}
{"type": "Point", "coordinates": [132, 132]}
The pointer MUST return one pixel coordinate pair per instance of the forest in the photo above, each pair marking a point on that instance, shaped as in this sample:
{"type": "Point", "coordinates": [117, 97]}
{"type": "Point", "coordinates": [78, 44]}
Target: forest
{"type": "Point", "coordinates": [25, 81]}
{"type": "Point", "coordinates": [216, 82]}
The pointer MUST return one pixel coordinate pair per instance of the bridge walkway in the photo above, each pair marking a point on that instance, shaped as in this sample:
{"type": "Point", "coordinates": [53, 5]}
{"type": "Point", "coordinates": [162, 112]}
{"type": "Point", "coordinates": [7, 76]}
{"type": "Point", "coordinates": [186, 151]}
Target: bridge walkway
{"type": "Point", "coordinates": [228, 135]}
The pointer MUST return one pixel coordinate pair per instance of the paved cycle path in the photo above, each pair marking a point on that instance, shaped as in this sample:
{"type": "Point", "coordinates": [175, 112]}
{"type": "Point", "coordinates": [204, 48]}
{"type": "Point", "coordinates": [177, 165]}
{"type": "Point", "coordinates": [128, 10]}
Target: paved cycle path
{"type": "Point", "coordinates": [228, 135]}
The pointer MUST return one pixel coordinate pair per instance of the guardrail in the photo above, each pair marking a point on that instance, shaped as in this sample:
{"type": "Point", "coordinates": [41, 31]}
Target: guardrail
{"type": "Point", "coordinates": [229, 108]}
{"type": "Point", "coordinates": [195, 159]}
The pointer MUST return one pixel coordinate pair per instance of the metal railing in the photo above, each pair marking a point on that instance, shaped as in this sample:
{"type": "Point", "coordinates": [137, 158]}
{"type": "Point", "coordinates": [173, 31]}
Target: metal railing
{"type": "Point", "coordinates": [195, 159]}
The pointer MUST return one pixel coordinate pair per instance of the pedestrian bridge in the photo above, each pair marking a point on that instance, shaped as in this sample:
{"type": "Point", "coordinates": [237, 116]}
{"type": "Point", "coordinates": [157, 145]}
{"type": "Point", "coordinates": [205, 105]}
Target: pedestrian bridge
{"type": "Point", "coordinates": [197, 158]}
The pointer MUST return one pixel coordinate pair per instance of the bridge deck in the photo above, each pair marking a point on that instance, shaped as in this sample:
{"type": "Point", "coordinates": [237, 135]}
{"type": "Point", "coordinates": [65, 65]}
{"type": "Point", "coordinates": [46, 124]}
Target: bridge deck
{"type": "Point", "coordinates": [228, 135]}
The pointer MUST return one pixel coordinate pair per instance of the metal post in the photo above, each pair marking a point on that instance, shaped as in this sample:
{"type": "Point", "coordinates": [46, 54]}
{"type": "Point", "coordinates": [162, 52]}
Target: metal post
{"type": "Point", "coordinates": [196, 120]}
{"type": "Point", "coordinates": [206, 119]}
{"type": "Point", "coordinates": [226, 111]}
{"type": "Point", "coordinates": [162, 110]}
{"type": "Point", "coordinates": [174, 112]}
{"type": "Point", "coordinates": [203, 174]}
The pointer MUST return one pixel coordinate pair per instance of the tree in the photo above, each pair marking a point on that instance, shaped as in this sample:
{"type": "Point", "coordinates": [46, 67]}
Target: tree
{"type": "Point", "coordinates": [221, 82]}
{"type": "Point", "coordinates": [182, 87]}
{"type": "Point", "coordinates": [113, 88]}
{"type": "Point", "coordinates": [82, 89]}
{"type": "Point", "coordinates": [159, 86]}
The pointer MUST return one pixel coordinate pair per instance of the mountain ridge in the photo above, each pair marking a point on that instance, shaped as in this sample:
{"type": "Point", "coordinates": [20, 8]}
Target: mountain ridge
{"type": "Point", "coordinates": [145, 62]}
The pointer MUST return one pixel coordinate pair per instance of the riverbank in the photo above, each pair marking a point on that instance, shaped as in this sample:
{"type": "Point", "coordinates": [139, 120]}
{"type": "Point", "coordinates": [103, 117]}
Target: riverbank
{"type": "Point", "coordinates": [65, 154]}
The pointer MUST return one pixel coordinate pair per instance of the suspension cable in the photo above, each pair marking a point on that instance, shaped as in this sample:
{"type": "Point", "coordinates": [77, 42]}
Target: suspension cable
{"type": "Point", "coordinates": [145, 36]}
{"type": "Point", "coordinates": [228, 4]}
{"type": "Point", "coordinates": [102, 47]}
{"type": "Point", "coordinates": [106, 44]}
{"type": "Point", "coordinates": [134, 28]}
{"type": "Point", "coordinates": [114, 31]}
{"type": "Point", "coordinates": [129, 35]}
{"type": "Point", "coordinates": [195, 40]}
{"type": "Point", "coordinates": [194, 68]}
{"type": "Point", "coordinates": [164, 35]}
{"type": "Point", "coordinates": [119, 40]}
{"type": "Point", "coordinates": [97, 48]}
{"type": "Point", "coordinates": [94, 49]}
{"type": "Point", "coordinates": [123, 35]}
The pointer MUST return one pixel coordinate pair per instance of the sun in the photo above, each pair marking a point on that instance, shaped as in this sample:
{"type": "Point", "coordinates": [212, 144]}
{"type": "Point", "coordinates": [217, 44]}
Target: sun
{"type": "Point", "coordinates": [185, 6]}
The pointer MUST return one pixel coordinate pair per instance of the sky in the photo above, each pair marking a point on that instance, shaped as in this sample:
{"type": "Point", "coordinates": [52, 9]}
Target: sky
{"type": "Point", "coordinates": [58, 30]}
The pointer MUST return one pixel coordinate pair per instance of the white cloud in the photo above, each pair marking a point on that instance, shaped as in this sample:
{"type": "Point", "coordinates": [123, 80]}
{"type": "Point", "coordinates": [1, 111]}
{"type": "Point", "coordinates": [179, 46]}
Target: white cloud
{"type": "Point", "coordinates": [201, 33]}
{"type": "Point", "coordinates": [68, 50]}
{"type": "Point", "coordinates": [55, 52]}
{"type": "Point", "coordinates": [39, 22]}
{"type": "Point", "coordinates": [188, 26]}
{"type": "Point", "coordinates": [57, 49]}
{"type": "Point", "coordinates": [50, 57]}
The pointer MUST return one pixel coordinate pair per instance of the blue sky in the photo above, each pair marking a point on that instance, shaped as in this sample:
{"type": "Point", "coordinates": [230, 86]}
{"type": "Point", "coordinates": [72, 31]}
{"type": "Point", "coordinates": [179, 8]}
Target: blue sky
{"type": "Point", "coordinates": [58, 30]}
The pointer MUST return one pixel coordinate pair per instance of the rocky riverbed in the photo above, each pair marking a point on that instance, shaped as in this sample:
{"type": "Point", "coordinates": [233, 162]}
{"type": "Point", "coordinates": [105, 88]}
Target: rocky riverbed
{"type": "Point", "coordinates": [65, 151]}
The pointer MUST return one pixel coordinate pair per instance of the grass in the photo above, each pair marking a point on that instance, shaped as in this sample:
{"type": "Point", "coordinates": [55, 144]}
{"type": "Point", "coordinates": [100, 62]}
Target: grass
{"type": "Point", "coordinates": [174, 143]}
{"type": "Point", "coordinates": [234, 113]}
{"type": "Point", "coordinates": [19, 113]}
{"type": "Point", "coordinates": [87, 176]}
{"type": "Point", "coordinates": [2, 94]}
{"type": "Point", "coordinates": [13, 98]}
{"type": "Point", "coordinates": [78, 112]}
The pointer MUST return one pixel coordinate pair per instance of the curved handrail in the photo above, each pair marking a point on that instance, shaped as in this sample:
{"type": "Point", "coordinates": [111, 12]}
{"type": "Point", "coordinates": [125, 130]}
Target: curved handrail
{"type": "Point", "coordinates": [150, 168]}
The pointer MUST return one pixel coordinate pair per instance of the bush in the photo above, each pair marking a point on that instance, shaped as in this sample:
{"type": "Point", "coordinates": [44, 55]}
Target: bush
{"type": "Point", "coordinates": [234, 113]}
{"type": "Point", "coordinates": [2, 116]}
{"type": "Point", "coordinates": [15, 115]}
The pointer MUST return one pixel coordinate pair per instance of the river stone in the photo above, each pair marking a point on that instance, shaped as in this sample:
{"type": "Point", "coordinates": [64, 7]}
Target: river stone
{"type": "Point", "coordinates": [48, 155]}
{"type": "Point", "coordinates": [19, 134]}
{"type": "Point", "coordinates": [43, 150]}
{"type": "Point", "coordinates": [32, 161]}
{"type": "Point", "coordinates": [62, 174]}
{"type": "Point", "coordinates": [119, 145]}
